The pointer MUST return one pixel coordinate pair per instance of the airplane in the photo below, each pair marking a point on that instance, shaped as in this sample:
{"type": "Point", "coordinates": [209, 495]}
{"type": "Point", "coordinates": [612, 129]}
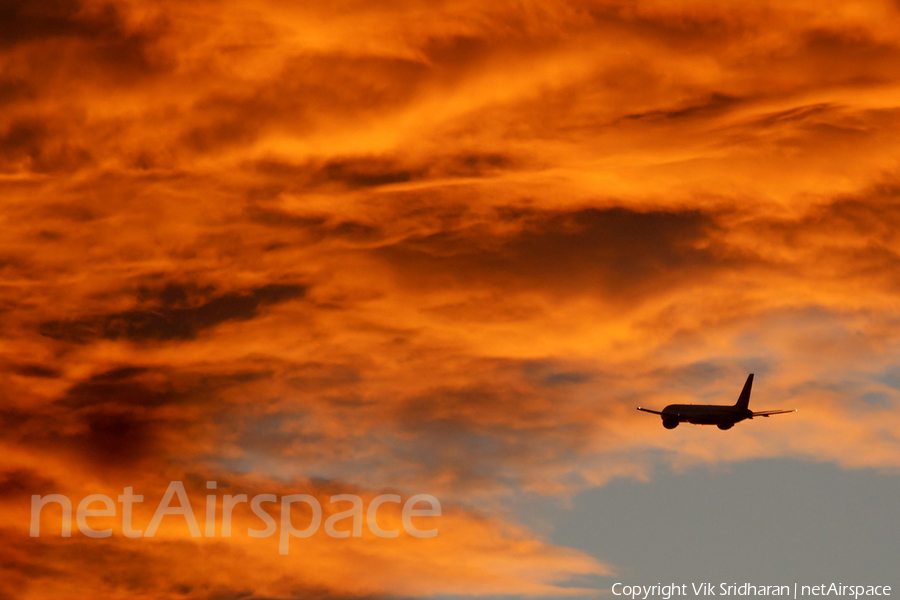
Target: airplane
{"type": "Point", "coordinates": [723, 417]}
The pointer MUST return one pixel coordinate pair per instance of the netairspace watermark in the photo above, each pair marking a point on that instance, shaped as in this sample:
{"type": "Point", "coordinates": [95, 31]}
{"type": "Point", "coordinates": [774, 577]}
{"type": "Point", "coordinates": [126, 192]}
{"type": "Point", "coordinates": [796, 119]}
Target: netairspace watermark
{"type": "Point", "coordinates": [667, 591]}
{"type": "Point", "coordinates": [176, 488]}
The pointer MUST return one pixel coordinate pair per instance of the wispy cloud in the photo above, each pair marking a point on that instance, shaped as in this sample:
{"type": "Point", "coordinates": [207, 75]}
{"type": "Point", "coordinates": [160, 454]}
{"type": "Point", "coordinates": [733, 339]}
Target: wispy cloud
{"type": "Point", "coordinates": [443, 248]}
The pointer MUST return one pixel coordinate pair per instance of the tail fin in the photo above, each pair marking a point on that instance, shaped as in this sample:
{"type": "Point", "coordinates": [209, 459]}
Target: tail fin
{"type": "Point", "coordinates": [744, 399]}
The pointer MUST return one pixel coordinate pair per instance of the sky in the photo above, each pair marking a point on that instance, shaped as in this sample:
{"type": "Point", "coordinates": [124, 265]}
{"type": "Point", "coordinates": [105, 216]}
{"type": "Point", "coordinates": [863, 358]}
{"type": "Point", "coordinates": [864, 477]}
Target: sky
{"type": "Point", "coordinates": [448, 248]}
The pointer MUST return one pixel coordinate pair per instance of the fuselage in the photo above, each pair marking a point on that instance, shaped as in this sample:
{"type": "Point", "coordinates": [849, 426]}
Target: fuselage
{"type": "Point", "coordinates": [704, 414]}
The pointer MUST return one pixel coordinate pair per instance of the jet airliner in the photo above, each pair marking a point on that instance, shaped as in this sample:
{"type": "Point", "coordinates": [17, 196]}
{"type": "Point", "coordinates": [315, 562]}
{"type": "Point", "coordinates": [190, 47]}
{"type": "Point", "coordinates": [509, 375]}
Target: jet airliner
{"type": "Point", "coordinates": [723, 417]}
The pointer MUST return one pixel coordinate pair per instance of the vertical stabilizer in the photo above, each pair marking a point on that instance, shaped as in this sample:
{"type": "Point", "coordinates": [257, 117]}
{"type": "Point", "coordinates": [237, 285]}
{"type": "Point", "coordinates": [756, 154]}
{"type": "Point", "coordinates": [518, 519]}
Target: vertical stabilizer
{"type": "Point", "coordinates": [744, 399]}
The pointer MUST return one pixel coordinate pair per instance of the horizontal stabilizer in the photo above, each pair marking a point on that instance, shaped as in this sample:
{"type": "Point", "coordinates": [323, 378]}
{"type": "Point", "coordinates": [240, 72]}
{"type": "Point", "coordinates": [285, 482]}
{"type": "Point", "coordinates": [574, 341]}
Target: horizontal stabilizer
{"type": "Point", "coordinates": [655, 412]}
{"type": "Point", "coordinates": [766, 413]}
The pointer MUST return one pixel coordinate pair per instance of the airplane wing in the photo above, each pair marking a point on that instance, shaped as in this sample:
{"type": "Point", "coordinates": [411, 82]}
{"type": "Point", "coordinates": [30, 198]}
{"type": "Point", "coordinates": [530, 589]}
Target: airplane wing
{"type": "Point", "coordinates": [655, 412]}
{"type": "Point", "coordinates": [766, 413]}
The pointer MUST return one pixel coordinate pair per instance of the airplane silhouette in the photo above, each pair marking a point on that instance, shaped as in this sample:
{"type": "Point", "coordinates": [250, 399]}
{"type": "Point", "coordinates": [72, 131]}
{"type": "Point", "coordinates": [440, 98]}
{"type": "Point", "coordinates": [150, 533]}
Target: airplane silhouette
{"type": "Point", "coordinates": [723, 417]}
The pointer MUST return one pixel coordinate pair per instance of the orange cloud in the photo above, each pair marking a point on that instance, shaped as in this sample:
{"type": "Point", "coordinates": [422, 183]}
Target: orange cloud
{"type": "Point", "coordinates": [443, 248]}
{"type": "Point", "coordinates": [470, 555]}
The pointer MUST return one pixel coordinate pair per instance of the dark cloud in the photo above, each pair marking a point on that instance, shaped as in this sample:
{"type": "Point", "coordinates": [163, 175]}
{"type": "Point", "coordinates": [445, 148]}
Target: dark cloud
{"type": "Point", "coordinates": [684, 30]}
{"type": "Point", "coordinates": [362, 172]}
{"type": "Point", "coordinates": [550, 373]}
{"type": "Point", "coordinates": [32, 144]}
{"type": "Point", "coordinates": [280, 218]}
{"type": "Point", "coordinates": [315, 227]}
{"type": "Point", "coordinates": [117, 438]}
{"type": "Point", "coordinates": [874, 214]}
{"type": "Point", "coordinates": [123, 416]}
{"type": "Point", "coordinates": [106, 427]}
{"type": "Point", "coordinates": [20, 568]}
{"type": "Point", "coordinates": [23, 137]}
{"type": "Point", "coordinates": [108, 565]}
{"type": "Point", "coordinates": [151, 388]}
{"type": "Point", "coordinates": [356, 231]}
{"type": "Point", "coordinates": [119, 374]}
{"type": "Point", "coordinates": [116, 567]}
{"type": "Point", "coordinates": [276, 293]}
{"type": "Point", "coordinates": [474, 164]}
{"type": "Point", "coordinates": [615, 251]}
{"type": "Point", "coordinates": [122, 386]}
{"type": "Point", "coordinates": [236, 129]}
{"type": "Point", "coordinates": [708, 107]}
{"type": "Point", "coordinates": [849, 53]}
{"type": "Point", "coordinates": [22, 483]}
{"type": "Point", "coordinates": [457, 408]}
{"type": "Point", "coordinates": [21, 20]}
{"type": "Point", "coordinates": [795, 114]}
{"type": "Point", "coordinates": [176, 295]}
{"type": "Point", "coordinates": [299, 592]}
{"type": "Point", "coordinates": [101, 29]}
{"type": "Point", "coordinates": [455, 54]}
{"type": "Point", "coordinates": [315, 376]}
{"type": "Point", "coordinates": [107, 437]}
{"type": "Point", "coordinates": [34, 370]}
{"type": "Point", "coordinates": [68, 212]}
{"type": "Point", "coordinates": [50, 236]}
{"type": "Point", "coordinates": [171, 320]}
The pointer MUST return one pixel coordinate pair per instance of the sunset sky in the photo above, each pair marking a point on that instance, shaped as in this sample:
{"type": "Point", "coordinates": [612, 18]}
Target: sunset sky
{"type": "Point", "coordinates": [447, 248]}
